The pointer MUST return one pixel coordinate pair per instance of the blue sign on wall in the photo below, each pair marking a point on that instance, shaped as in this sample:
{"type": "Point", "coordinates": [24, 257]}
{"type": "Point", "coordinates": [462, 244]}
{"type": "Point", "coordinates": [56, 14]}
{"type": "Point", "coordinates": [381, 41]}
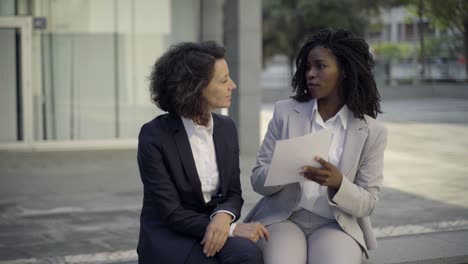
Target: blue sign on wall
{"type": "Point", "coordinates": [40, 23]}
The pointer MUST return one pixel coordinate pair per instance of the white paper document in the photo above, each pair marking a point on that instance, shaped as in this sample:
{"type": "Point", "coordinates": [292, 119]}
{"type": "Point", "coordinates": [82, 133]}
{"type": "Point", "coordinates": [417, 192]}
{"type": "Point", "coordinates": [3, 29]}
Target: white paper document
{"type": "Point", "coordinates": [292, 154]}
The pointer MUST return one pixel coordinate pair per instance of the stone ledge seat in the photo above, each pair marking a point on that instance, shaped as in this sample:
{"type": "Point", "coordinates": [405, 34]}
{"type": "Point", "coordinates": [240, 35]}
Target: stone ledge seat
{"type": "Point", "coordinates": [448, 247]}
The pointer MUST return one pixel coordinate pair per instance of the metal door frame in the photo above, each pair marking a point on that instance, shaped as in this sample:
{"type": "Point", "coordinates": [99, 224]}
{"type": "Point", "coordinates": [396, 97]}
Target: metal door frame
{"type": "Point", "coordinates": [24, 25]}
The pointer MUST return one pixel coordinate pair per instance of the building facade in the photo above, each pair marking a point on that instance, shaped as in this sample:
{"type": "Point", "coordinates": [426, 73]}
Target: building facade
{"type": "Point", "coordinates": [75, 72]}
{"type": "Point", "coordinates": [398, 27]}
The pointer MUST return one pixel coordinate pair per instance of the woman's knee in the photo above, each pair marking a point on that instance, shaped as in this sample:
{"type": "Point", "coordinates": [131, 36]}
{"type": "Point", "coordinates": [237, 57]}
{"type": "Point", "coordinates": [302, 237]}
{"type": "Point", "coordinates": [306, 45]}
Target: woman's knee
{"type": "Point", "coordinates": [287, 244]}
{"type": "Point", "coordinates": [330, 244]}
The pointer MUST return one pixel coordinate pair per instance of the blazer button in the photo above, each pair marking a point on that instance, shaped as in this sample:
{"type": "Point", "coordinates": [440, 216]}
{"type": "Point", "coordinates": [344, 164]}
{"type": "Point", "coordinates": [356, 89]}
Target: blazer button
{"type": "Point", "coordinates": [339, 217]}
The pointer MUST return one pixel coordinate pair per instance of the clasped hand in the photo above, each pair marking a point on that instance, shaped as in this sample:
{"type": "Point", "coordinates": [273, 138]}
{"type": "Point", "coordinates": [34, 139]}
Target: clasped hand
{"type": "Point", "coordinates": [328, 175]}
{"type": "Point", "coordinates": [217, 233]}
{"type": "Point", "coordinates": [253, 231]}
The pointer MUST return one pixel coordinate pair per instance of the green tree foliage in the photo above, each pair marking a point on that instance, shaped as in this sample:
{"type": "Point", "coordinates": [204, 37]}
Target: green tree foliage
{"type": "Point", "coordinates": [393, 50]}
{"type": "Point", "coordinates": [448, 13]}
{"type": "Point", "coordinates": [451, 14]}
{"type": "Point", "coordinates": [449, 47]}
{"type": "Point", "coordinates": [445, 14]}
{"type": "Point", "coordinates": [419, 9]}
{"type": "Point", "coordinates": [286, 23]}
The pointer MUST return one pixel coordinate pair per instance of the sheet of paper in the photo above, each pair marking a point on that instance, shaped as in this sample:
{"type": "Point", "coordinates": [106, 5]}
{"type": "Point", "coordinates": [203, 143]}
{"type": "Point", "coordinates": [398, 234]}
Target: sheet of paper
{"type": "Point", "coordinates": [291, 154]}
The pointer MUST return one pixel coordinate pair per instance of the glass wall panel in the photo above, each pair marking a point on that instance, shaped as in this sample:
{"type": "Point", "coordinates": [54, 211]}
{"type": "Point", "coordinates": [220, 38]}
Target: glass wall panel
{"type": "Point", "coordinates": [82, 84]}
{"type": "Point", "coordinates": [96, 59]}
{"type": "Point", "coordinates": [7, 7]}
{"type": "Point", "coordinates": [10, 95]}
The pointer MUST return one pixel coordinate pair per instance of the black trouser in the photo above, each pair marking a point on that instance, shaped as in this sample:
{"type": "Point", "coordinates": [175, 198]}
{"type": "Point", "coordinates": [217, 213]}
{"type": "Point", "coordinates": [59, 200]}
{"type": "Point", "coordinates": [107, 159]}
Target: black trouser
{"type": "Point", "coordinates": [236, 250]}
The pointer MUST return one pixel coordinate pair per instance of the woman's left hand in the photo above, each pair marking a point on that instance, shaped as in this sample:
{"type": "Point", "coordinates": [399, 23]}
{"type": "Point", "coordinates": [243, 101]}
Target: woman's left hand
{"type": "Point", "coordinates": [328, 175]}
{"type": "Point", "coordinates": [216, 233]}
{"type": "Point", "coordinates": [253, 231]}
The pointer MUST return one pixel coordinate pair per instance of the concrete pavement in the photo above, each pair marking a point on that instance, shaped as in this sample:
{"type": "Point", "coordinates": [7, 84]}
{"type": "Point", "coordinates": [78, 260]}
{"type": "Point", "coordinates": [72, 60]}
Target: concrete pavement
{"type": "Point", "coordinates": [84, 206]}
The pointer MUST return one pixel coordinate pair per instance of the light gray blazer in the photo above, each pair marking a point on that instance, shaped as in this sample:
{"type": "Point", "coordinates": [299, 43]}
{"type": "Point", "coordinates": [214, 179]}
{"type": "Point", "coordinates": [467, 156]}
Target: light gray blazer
{"type": "Point", "coordinates": [361, 165]}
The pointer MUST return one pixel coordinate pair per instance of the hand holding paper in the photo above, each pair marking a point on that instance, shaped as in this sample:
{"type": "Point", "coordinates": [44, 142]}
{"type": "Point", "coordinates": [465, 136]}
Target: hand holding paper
{"type": "Point", "coordinates": [328, 175]}
{"type": "Point", "coordinates": [291, 154]}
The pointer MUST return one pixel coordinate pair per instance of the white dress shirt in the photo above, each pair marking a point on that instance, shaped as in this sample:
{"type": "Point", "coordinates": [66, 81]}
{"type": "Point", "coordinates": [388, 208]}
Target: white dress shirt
{"type": "Point", "coordinates": [314, 196]}
{"type": "Point", "coordinates": [204, 155]}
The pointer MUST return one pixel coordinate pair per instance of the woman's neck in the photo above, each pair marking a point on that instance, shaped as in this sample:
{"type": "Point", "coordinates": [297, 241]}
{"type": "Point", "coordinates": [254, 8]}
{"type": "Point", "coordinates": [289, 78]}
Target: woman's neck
{"type": "Point", "coordinates": [329, 107]}
{"type": "Point", "coordinates": [202, 120]}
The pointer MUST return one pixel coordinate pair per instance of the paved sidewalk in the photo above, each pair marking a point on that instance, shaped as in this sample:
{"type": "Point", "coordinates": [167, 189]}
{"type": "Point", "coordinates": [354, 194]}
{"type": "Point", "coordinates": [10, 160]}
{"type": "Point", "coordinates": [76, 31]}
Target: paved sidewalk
{"type": "Point", "coordinates": [77, 207]}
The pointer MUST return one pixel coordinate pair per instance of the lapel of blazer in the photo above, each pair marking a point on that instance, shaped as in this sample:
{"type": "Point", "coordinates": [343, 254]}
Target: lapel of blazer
{"type": "Point", "coordinates": [186, 156]}
{"type": "Point", "coordinates": [221, 152]}
{"type": "Point", "coordinates": [299, 125]}
{"type": "Point", "coordinates": [300, 120]}
{"type": "Point", "coordinates": [355, 137]}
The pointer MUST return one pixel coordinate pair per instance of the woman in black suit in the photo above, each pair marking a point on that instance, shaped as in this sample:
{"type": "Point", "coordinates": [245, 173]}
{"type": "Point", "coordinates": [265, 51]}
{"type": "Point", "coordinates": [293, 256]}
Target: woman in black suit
{"type": "Point", "coordinates": [189, 165]}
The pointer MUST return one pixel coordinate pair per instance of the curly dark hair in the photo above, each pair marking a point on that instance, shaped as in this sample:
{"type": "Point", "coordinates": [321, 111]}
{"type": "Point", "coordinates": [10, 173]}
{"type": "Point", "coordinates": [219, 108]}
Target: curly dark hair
{"type": "Point", "coordinates": [359, 89]}
{"type": "Point", "coordinates": [179, 76]}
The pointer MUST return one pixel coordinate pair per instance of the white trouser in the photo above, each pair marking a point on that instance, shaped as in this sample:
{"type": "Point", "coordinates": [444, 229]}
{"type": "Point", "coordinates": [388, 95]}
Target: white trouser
{"type": "Point", "coordinates": [308, 238]}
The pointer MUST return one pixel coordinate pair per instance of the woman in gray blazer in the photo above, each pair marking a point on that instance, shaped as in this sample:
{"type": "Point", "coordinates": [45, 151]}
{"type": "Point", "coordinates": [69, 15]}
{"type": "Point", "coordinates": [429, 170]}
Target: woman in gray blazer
{"type": "Point", "coordinates": [325, 219]}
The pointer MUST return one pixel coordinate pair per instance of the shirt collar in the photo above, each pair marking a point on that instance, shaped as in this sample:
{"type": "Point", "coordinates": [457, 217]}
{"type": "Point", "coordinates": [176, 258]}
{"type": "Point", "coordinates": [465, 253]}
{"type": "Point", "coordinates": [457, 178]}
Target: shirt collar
{"type": "Point", "coordinates": [342, 115]}
{"type": "Point", "coordinates": [191, 126]}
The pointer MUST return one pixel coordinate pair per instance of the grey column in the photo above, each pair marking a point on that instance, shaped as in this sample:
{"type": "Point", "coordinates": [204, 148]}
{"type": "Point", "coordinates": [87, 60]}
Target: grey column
{"type": "Point", "coordinates": [243, 42]}
{"type": "Point", "coordinates": [211, 20]}
{"type": "Point", "coordinates": [211, 24]}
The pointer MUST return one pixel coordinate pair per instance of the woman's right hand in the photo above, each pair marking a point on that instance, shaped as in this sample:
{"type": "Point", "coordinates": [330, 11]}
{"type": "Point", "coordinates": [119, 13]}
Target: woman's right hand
{"type": "Point", "coordinates": [253, 231]}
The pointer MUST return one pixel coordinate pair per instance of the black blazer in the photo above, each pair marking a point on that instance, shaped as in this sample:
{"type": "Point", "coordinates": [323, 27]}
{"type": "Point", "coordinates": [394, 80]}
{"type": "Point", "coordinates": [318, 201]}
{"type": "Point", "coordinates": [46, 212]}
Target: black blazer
{"type": "Point", "coordinates": [174, 215]}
